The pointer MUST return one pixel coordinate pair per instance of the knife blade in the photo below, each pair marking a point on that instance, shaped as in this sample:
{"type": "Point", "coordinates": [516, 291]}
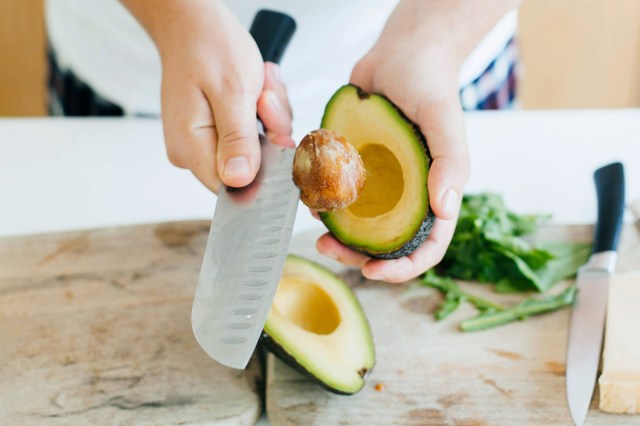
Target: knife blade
{"type": "Point", "coordinates": [588, 314]}
{"type": "Point", "coordinates": [249, 236]}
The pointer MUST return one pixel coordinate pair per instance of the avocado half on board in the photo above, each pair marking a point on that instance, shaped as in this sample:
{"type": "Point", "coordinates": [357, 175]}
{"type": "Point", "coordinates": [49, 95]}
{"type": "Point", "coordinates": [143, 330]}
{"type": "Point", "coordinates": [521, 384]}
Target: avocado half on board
{"type": "Point", "coordinates": [317, 326]}
{"type": "Point", "coordinates": [391, 218]}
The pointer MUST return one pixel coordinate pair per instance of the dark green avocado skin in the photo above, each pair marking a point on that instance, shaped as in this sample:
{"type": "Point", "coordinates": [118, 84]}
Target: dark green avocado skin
{"type": "Point", "coordinates": [275, 348]}
{"type": "Point", "coordinates": [412, 245]}
{"type": "Point", "coordinates": [423, 232]}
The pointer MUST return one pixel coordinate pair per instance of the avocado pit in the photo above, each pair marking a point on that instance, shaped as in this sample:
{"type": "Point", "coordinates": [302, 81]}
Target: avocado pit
{"type": "Point", "coordinates": [328, 171]}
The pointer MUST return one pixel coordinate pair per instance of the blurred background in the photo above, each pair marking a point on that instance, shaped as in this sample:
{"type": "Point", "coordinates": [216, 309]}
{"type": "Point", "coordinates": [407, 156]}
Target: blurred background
{"type": "Point", "coordinates": [575, 54]}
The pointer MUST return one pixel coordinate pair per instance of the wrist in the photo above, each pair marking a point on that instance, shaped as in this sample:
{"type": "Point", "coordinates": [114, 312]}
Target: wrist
{"type": "Point", "coordinates": [447, 30]}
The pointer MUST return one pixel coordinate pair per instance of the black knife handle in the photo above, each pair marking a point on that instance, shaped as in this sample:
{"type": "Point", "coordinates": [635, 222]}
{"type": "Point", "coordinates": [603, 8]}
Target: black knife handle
{"type": "Point", "coordinates": [272, 32]}
{"type": "Point", "coordinates": [610, 193]}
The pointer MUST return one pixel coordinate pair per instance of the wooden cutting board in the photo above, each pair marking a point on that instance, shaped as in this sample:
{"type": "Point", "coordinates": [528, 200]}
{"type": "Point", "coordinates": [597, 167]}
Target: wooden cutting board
{"type": "Point", "coordinates": [95, 329]}
{"type": "Point", "coordinates": [433, 374]}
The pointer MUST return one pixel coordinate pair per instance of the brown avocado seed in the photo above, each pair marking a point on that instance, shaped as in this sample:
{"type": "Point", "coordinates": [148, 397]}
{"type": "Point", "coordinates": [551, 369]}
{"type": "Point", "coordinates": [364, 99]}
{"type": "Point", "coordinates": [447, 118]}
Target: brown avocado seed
{"type": "Point", "coordinates": [328, 170]}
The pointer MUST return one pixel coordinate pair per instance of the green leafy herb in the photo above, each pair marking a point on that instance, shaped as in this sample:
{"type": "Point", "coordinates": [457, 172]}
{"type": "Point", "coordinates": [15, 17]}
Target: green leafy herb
{"type": "Point", "coordinates": [489, 246]}
{"type": "Point", "coordinates": [524, 309]}
{"type": "Point", "coordinates": [493, 245]}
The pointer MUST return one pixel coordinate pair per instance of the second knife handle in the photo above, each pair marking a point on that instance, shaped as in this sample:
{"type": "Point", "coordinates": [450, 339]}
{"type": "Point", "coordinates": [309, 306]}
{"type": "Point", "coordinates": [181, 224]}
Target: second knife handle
{"type": "Point", "coordinates": [610, 191]}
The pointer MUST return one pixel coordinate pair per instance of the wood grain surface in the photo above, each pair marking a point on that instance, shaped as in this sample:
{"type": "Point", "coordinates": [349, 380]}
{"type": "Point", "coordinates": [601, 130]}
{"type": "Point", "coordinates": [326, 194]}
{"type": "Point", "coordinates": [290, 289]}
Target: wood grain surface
{"type": "Point", "coordinates": [429, 373]}
{"type": "Point", "coordinates": [95, 329]}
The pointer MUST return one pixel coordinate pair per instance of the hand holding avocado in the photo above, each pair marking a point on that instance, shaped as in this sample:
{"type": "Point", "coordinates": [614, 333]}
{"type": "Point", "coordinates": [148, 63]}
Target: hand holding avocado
{"type": "Point", "coordinates": [418, 73]}
{"type": "Point", "coordinates": [210, 102]}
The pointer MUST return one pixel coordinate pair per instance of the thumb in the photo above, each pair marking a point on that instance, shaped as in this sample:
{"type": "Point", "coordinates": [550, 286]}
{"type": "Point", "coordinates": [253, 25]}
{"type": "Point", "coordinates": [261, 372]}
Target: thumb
{"type": "Point", "coordinates": [442, 123]}
{"type": "Point", "coordinates": [238, 151]}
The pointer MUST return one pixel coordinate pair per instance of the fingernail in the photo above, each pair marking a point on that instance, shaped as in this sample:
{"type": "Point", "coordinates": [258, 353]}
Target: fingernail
{"type": "Point", "coordinates": [236, 166]}
{"type": "Point", "coordinates": [377, 277]}
{"type": "Point", "coordinates": [275, 73]}
{"type": "Point", "coordinates": [332, 255]}
{"type": "Point", "coordinates": [450, 200]}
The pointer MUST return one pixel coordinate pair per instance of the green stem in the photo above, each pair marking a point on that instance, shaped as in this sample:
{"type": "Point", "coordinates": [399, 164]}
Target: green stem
{"type": "Point", "coordinates": [480, 303]}
{"type": "Point", "coordinates": [522, 310]}
{"type": "Point", "coordinates": [454, 294]}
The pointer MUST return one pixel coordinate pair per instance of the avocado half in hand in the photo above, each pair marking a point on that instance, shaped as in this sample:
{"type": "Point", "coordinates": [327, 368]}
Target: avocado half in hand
{"type": "Point", "coordinates": [317, 326]}
{"type": "Point", "coordinates": [391, 218]}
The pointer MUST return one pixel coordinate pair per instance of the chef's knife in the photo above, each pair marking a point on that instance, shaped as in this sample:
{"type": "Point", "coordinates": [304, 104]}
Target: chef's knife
{"type": "Point", "coordinates": [588, 314]}
{"type": "Point", "coordinates": [249, 236]}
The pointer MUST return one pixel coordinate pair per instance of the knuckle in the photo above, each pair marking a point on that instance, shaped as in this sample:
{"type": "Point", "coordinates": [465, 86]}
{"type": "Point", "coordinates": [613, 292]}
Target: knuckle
{"type": "Point", "coordinates": [467, 170]}
{"type": "Point", "coordinates": [176, 155]}
{"type": "Point", "coordinates": [235, 138]}
{"type": "Point", "coordinates": [436, 259]}
{"type": "Point", "coordinates": [463, 167]}
{"type": "Point", "coordinates": [175, 159]}
{"type": "Point", "coordinates": [362, 68]}
{"type": "Point", "coordinates": [232, 84]}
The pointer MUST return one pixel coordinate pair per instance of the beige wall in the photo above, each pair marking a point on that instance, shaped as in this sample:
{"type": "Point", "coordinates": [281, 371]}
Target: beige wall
{"type": "Point", "coordinates": [576, 53]}
{"type": "Point", "coordinates": [22, 58]}
{"type": "Point", "coordinates": [580, 53]}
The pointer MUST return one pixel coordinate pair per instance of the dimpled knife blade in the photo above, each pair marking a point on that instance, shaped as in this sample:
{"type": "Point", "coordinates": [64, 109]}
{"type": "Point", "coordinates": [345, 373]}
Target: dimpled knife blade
{"type": "Point", "coordinates": [244, 258]}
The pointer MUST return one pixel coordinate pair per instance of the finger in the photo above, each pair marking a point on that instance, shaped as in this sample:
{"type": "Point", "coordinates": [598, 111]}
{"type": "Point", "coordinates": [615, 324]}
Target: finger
{"type": "Point", "coordinates": [330, 247]}
{"type": "Point", "coordinates": [281, 140]}
{"type": "Point", "coordinates": [442, 123]}
{"type": "Point", "coordinates": [273, 81]}
{"type": "Point", "coordinates": [429, 254]}
{"type": "Point", "coordinates": [203, 165]}
{"type": "Point", "coordinates": [274, 109]}
{"type": "Point", "coordinates": [238, 151]}
{"type": "Point", "coordinates": [189, 134]}
{"type": "Point", "coordinates": [275, 118]}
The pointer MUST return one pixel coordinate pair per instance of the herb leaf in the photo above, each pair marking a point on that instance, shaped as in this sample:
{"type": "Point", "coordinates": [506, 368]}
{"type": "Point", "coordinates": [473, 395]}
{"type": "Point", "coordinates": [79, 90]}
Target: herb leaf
{"type": "Point", "coordinates": [493, 245]}
{"type": "Point", "coordinates": [489, 246]}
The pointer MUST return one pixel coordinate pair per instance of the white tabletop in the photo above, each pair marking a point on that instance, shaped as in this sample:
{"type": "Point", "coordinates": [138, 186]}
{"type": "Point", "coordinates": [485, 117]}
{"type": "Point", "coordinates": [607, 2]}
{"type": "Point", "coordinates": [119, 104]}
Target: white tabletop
{"type": "Point", "coordinates": [66, 174]}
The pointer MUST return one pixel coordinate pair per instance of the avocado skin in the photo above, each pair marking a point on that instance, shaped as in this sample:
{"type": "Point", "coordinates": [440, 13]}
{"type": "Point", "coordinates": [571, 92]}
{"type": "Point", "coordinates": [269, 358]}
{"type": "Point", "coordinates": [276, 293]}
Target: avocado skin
{"type": "Point", "coordinates": [423, 232]}
{"type": "Point", "coordinates": [267, 343]}
{"type": "Point", "coordinates": [406, 249]}
{"type": "Point", "coordinates": [412, 245]}
{"type": "Point", "coordinates": [275, 348]}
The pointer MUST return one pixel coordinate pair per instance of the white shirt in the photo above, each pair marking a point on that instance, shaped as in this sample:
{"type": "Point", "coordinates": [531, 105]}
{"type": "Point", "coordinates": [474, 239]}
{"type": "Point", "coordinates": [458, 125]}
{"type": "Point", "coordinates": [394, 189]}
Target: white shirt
{"type": "Point", "coordinates": [106, 48]}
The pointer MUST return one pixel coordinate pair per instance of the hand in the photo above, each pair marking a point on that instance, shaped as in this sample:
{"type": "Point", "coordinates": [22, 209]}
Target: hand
{"type": "Point", "coordinates": [214, 84]}
{"type": "Point", "coordinates": [421, 80]}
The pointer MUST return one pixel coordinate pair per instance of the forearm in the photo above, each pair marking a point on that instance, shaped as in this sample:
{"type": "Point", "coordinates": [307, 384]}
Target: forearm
{"type": "Point", "coordinates": [451, 27]}
{"type": "Point", "coordinates": [170, 22]}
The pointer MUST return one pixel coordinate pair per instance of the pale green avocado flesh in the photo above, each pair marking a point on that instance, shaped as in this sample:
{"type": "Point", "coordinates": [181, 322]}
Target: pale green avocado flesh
{"type": "Point", "coordinates": [391, 218]}
{"type": "Point", "coordinates": [317, 326]}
